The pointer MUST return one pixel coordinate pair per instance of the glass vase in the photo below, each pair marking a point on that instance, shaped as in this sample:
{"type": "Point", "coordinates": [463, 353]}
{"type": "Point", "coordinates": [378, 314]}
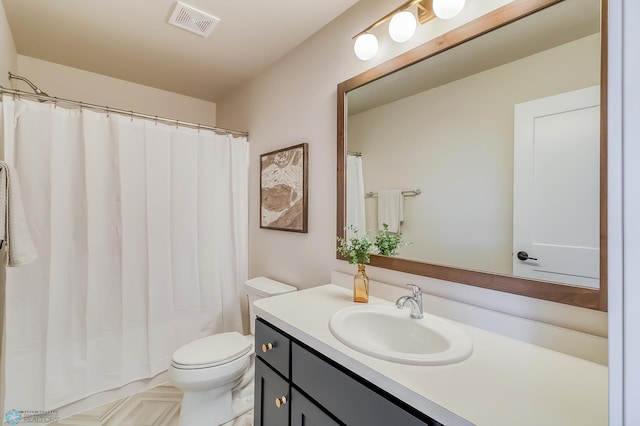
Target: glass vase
{"type": "Point", "coordinates": [361, 285]}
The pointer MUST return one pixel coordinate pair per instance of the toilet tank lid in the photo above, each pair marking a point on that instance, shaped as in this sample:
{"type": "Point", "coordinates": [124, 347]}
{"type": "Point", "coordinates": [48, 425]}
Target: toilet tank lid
{"type": "Point", "coordinates": [217, 348]}
{"type": "Point", "coordinates": [265, 287]}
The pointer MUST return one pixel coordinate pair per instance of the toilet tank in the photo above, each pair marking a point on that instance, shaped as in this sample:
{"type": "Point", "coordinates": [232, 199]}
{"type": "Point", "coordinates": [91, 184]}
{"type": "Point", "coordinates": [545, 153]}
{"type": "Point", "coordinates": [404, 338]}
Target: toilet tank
{"type": "Point", "coordinates": [261, 287]}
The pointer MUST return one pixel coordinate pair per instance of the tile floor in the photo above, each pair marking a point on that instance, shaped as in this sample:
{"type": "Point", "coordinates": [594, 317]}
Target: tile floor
{"type": "Point", "coordinates": [159, 406]}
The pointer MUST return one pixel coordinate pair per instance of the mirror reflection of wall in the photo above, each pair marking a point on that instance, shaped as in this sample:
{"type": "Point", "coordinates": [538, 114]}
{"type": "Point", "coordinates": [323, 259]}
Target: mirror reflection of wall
{"type": "Point", "coordinates": [455, 142]}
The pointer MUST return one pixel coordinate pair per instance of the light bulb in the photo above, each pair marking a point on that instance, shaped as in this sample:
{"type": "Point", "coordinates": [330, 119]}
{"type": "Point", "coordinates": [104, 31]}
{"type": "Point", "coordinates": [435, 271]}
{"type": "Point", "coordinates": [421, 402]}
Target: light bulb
{"type": "Point", "coordinates": [447, 9]}
{"type": "Point", "coordinates": [402, 26]}
{"type": "Point", "coordinates": [366, 46]}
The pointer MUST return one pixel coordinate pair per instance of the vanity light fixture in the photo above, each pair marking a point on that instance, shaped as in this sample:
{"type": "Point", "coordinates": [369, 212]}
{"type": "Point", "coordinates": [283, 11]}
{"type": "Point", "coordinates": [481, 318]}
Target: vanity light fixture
{"type": "Point", "coordinates": [366, 46]}
{"type": "Point", "coordinates": [402, 26]}
{"type": "Point", "coordinates": [447, 9]}
{"type": "Point", "coordinates": [402, 23]}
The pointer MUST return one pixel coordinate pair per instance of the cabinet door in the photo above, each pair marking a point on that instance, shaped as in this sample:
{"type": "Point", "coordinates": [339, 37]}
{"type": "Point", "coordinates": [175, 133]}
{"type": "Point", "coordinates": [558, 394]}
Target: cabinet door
{"type": "Point", "coordinates": [306, 413]}
{"type": "Point", "coordinates": [348, 399]}
{"type": "Point", "coordinates": [271, 405]}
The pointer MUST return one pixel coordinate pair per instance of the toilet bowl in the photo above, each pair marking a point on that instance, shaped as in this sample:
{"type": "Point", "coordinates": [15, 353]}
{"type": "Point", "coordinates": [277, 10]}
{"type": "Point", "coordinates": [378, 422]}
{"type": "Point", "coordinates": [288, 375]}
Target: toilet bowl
{"type": "Point", "coordinates": [208, 370]}
{"type": "Point", "coordinates": [216, 372]}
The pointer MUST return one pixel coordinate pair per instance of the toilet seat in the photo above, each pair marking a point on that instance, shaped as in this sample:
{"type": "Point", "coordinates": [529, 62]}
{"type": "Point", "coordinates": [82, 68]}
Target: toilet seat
{"type": "Point", "coordinates": [211, 351]}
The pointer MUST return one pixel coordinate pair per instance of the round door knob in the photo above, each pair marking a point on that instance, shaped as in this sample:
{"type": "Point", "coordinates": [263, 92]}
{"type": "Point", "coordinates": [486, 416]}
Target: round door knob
{"type": "Point", "coordinates": [267, 347]}
{"type": "Point", "coordinates": [281, 401]}
{"type": "Point", "coordinates": [523, 255]}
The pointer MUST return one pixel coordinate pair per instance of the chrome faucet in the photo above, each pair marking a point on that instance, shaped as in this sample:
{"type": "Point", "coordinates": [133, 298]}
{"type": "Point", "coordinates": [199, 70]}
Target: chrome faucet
{"type": "Point", "coordinates": [414, 301]}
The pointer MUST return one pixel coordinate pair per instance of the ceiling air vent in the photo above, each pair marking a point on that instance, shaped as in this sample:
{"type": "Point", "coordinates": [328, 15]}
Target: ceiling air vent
{"type": "Point", "coordinates": [194, 20]}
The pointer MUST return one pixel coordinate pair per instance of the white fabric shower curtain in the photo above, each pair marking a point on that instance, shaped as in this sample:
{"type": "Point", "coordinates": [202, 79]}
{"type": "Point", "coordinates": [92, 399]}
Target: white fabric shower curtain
{"type": "Point", "coordinates": [141, 232]}
{"type": "Point", "coordinates": [355, 196]}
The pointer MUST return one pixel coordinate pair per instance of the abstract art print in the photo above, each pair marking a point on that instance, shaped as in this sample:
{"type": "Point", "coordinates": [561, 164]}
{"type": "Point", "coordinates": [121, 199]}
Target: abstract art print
{"type": "Point", "coordinates": [283, 189]}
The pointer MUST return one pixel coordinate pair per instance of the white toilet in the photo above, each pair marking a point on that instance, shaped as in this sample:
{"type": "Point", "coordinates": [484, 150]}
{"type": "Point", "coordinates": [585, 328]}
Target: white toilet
{"type": "Point", "coordinates": [215, 372]}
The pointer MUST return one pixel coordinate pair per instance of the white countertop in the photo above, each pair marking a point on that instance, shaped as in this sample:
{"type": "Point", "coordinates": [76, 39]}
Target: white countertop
{"type": "Point", "coordinates": [504, 382]}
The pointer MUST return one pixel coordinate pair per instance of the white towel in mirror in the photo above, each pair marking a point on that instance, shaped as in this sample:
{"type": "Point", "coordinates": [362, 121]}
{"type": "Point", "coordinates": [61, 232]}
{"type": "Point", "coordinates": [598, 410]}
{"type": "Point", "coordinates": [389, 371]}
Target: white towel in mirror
{"type": "Point", "coordinates": [355, 194]}
{"type": "Point", "coordinates": [390, 209]}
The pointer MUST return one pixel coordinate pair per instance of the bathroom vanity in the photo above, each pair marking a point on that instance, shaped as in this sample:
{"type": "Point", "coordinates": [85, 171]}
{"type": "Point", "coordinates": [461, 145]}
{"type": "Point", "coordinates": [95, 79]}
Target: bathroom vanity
{"type": "Point", "coordinates": [287, 370]}
{"type": "Point", "coordinates": [304, 375]}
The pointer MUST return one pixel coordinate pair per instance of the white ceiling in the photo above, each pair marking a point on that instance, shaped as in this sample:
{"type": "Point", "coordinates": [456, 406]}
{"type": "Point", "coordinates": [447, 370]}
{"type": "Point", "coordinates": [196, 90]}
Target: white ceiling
{"type": "Point", "coordinates": [131, 39]}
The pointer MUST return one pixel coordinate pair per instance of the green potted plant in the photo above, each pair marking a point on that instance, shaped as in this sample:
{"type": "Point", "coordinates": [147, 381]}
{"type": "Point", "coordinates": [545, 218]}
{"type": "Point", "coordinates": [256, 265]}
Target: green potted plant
{"type": "Point", "coordinates": [357, 250]}
{"type": "Point", "coordinates": [387, 243]}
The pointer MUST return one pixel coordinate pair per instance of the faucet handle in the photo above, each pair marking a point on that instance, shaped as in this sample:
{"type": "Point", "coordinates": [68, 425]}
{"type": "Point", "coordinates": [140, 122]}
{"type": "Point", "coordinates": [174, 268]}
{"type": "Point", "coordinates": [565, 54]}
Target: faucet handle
{"type": "Point", "coordinates": [417, 291]}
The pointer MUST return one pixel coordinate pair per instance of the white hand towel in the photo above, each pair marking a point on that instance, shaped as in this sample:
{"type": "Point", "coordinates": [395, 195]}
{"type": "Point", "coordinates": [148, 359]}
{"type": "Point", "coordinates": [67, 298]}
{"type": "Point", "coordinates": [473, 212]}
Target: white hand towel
{"type": "Point", "coordinates": [390, 209]}
{"type": "Point", "coordinates": [14, 234]}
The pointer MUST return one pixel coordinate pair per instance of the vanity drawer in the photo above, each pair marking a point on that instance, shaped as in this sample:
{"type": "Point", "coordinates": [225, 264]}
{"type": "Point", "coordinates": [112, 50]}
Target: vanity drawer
{"type": "Point", "coordinates": [273, 347]}
{"type": "Point", "coordinates": [351, 401]}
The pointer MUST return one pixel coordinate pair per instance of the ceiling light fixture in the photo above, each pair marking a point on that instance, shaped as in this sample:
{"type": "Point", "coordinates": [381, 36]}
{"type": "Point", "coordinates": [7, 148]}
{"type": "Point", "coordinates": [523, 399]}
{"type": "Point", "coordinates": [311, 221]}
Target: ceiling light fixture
{"type": "Point", "coordinates": [402, 23]}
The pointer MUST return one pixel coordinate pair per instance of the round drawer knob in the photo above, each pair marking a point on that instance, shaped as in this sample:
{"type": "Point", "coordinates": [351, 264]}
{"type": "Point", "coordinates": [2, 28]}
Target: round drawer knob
{"type": "Point", "coordinates": [281, 401]}
{"type": "Point", "coordinates": [267, 347]}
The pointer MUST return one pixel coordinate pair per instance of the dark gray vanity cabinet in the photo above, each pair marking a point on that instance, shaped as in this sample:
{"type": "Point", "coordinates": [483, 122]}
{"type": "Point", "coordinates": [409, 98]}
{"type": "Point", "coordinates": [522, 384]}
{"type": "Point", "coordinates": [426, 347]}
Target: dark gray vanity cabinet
{"type": "Point", "coordinates": [297, 386]}
{"type": "Point", "coordinates": [269, 387]}
{"type": "Point", "coordinates": [272, 386]}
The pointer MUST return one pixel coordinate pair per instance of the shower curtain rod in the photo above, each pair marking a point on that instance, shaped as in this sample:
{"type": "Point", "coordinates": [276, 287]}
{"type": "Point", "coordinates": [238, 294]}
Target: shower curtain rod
{"type": "Point", "coordinates": [108, 110]}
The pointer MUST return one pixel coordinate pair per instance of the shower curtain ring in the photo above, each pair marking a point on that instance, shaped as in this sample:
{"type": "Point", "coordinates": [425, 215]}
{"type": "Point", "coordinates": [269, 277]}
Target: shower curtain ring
{"type": "Point", "coordinates": [131, 115]}
{"type": "Point", "coordinates": [107, 112]}
{"type": "Point", "coordinates": [156, 120]}
{"type": "Point", "coordinates": [176, 124]}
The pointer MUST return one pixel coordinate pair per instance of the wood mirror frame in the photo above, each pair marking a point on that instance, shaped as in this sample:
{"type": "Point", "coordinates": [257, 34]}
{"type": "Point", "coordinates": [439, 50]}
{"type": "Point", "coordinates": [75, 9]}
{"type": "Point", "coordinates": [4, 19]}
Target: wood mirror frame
{"type": "Point", "coordinates": [555, 292]}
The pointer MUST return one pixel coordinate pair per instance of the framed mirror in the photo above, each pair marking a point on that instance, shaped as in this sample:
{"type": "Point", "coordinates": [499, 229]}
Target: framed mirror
{"type": "Point", "coordinates": [495, 132]}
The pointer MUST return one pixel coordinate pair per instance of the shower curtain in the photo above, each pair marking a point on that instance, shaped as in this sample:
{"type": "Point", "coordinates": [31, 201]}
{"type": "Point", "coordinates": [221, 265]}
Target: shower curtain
{"type": "Point", "coordinates": [355, 196]}
{"type": "Point", "coordinates": [141, 232]}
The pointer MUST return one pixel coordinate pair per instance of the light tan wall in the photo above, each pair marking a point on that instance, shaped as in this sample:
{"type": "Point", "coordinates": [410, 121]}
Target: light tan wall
{"type": "Point", "coordinates": [8, 55]}
{"type": "Point", "coordinates": [295, 101]}
{"type": "Point", "coordinates": [75, 84]}
{"type": "Point", "coordinates": [8, 58]}
{"type": "Point", "coordinates": [404, 144]}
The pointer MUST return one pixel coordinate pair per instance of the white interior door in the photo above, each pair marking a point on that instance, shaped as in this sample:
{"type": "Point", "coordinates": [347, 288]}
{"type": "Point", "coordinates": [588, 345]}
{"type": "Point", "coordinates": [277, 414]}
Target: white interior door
{"type": "Point", "coordinates": [556, 188]}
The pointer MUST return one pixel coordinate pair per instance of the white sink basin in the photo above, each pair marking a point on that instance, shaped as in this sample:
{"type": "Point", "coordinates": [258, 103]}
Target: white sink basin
{"type": "Point", "coordinates": [388, 333]}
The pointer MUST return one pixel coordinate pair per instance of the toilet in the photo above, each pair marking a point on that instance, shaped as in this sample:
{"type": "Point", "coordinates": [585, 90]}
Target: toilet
{"type": "Point", "coordinates": [215, 372]}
